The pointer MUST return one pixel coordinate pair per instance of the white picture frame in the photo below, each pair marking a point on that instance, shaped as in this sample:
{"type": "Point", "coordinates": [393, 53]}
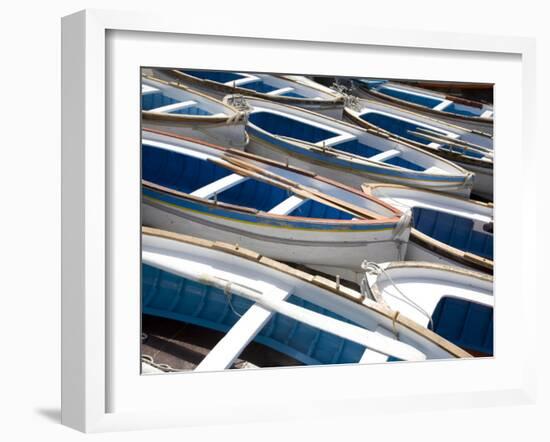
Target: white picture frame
{"type": "Point", "coordinates": [96, 236]}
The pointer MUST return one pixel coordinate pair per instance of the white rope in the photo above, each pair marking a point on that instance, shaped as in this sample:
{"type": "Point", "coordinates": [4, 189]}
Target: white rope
{"type": "Point", "coordinates": [227, 291]}
{"type": "Point", "coordinates": [372, 268]}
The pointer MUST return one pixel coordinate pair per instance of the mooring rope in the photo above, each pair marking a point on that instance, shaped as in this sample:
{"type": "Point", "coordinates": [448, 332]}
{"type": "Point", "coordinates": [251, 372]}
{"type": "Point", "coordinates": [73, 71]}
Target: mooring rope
{"type": "Point", "coordinates": [373, 268]}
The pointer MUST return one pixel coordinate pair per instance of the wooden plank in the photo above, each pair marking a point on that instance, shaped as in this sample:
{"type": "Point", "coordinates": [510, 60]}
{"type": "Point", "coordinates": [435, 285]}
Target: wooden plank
{"type": "Point", "coordinates": [280, 91]}
{"type": "Point", "coordinates": [371, 356]}
{"type": "Point", "coordinates": [174, 106]}
{"type": "Point", "coordinates": [146, 89]}
{"type": "Point", "coordinates": [287, 206]}
{"type": "Point", "coordinates": [241, 334]}
{"type": "Point", "coordinates": [219, 186]}
{"type": "Point", "coordinates": [387, 155]}
{"type": "Point", "coordinates": [237, 250]}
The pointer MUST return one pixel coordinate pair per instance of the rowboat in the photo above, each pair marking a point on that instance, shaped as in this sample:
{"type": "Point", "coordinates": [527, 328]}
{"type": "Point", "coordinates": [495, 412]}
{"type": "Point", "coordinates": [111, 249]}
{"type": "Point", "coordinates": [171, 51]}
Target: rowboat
{"type": "Point", "coordinates": [253, 298]}
{"type": "Point", "coordinates": [456, 304]}
{"type": "Point", "coordinates": [464, 147]}
{"type": "Point", "coordinates": [188, 112]}
{"type": "Point", "coordinates": [446, 229]}
{"type": "Point", "coordinates": [342, 151]}
{"type": "Point", "coordinates": [280, 211]}
{"type": "Point", "coordinates": [482, 92]}
{"type": "Point", "coordinates": [462, 112]}
{"type": "Point", "coordinates": [294, 90]}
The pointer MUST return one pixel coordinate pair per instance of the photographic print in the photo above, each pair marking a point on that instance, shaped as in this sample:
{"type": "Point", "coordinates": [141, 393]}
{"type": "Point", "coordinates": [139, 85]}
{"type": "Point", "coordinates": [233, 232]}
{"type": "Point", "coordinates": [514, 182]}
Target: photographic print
{"type": "Point", "coordinates": [296, 220]}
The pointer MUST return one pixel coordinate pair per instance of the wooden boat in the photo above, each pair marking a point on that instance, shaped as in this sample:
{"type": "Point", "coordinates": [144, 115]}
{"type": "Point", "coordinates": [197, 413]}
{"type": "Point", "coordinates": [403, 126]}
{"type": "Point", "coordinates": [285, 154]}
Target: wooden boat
{"type": "Point", "coordinates": [446, 229]}
{"type": "Point", "coordinates": [294, 90]}
{"type": "Point", "coordinates": [188, 112]}
{"type": "Point", "coordinates": [253, 298]}
{"type": "Point", "coordinates": [481, 92]}
{"type": "Point", "coordinates": [343, 151]}
{"type": "Point", "coordinates": [280, 211]}
{"type": "Point", "coordinates": [466, 113]}
{"type": "Point", "coordinates": [464, 147]}
{"type": "Point", "coordinates": [456, 304]}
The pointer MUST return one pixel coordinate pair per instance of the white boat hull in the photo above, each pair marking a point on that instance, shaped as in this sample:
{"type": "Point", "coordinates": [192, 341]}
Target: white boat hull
{"type": "Point", "coordinates": [339, 250]}
{"type": "Point", "coordinates": [483, 180]}
{"type": "Point", "coordinates": [225, 135]}
{"type": "Point", "coordinates": [346, 176]}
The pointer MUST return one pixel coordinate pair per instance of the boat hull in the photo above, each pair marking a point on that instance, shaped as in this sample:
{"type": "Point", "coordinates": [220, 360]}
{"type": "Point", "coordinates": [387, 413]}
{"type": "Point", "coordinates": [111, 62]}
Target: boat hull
{"type": "Point", "coordinates": [223, 134]}
{"type": "Point", "coordinates": [340, 251]}
{"type": "Point", "coordinates": [483, 180]}
{"type": "Point", "coordinates": [448, 240]}
{"type": "Point", "coordinates": [332, 107]}
{"type": "Point", "coordinates": [475, 124]}
{"type": "Point", "coordinates": [456, 303]}
{"type": "Point", "coordinates": [210, 284]}
{"type": "Point", "coordinates": [351, 177]}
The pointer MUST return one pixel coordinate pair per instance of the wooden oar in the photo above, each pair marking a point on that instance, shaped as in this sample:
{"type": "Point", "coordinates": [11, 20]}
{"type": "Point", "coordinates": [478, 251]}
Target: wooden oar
{"type": "Point", "coordinates": [434, 136]}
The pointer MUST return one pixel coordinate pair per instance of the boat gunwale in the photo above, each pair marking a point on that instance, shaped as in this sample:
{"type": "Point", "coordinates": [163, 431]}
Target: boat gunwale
{"type": "Point", "coordinates": [467, 258]}
{"type": "Point", "coordinates": [318, 281]}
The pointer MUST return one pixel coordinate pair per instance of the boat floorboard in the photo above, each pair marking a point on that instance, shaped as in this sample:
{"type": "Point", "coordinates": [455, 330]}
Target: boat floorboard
{"type": "Point", "coordinates": [183, 346]}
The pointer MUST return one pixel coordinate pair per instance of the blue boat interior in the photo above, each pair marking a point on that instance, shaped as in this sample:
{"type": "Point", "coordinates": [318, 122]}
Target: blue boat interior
{"type": "Point", "coordinates": [462, 109]}
{"type": "Point", "coordinates": [453, 230]}
{"type": "Point", "coordinates": [422, 100]}
{"type": "Point", "coordinates": [397, 126]}
{"type": "Point", "coordinates": [404, 128]}
{"type": "Point", "coordinates": [155, 100]}
{"type": "Point", "coordinates": [170, 296]}
{"type": "Point", "coordinates": [217, 76]}
{"type": "Point", "coordinates": [288, 127]}
{"type": "Point", "coordinates": [186, 174]}
{"type": "Point", "coordinates": [260, 85]}
{"type": "Point", "coordinates": [466, 324]}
